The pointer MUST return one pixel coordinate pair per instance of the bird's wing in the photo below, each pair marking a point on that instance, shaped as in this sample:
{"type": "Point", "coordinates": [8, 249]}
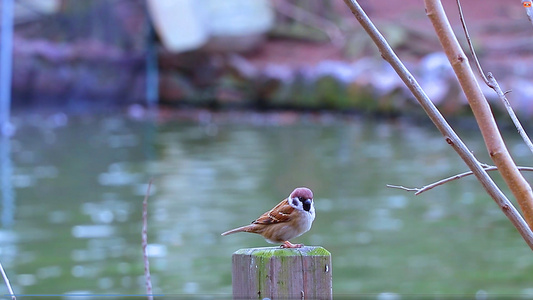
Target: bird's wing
{"type": "Point", "coordinates": [280, 213]}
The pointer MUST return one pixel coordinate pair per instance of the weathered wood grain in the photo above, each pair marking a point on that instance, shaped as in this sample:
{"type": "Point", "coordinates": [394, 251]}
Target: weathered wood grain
{"type": "Point", "coordinates": [278, 273]}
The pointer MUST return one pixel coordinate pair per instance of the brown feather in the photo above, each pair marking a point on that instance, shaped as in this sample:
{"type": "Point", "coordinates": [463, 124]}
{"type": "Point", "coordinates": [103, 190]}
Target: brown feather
{"type": "Point", "coordinates": [247, 228]}
{"type": "Point", "coordinates": [283, 222]}
{"type": "Point", "coordinates": [280, 213]}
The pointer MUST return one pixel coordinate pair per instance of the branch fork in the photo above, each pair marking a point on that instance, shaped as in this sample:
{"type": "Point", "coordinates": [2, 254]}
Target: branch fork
{"type": "Point", "coordinates": [482, 112]}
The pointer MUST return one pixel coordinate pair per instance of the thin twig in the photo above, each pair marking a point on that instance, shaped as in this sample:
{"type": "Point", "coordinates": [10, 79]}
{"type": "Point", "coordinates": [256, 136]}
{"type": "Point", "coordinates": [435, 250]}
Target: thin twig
{"type": "Point", "coordinates": [312, 20]}
{"type": "Point", "coordinates": [145, 244]}
{"type": "Point", "coordinates": [470, 45]}
{"type": "Point", "coordinates": [428, 187]}
{"type": "Point", "coordinates": [493, 84]}
{"type": "Point", "coordinates": [481, 109]}
{"type": "Point", "coordinates": [6, 280]}
{"type": "Point", "coordinates": [436, 117]}
{"type": "Point", "coordinates": [401, 187]}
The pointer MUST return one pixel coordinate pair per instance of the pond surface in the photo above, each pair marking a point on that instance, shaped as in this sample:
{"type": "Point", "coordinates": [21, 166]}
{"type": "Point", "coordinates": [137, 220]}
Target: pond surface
{"type": "Point", "coordinates": [71, 211]}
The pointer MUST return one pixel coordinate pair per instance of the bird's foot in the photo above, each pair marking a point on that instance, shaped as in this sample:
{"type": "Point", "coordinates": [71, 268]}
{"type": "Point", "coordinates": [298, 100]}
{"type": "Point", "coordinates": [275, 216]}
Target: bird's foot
{"type": "Point", "coordinates": [288, 244]}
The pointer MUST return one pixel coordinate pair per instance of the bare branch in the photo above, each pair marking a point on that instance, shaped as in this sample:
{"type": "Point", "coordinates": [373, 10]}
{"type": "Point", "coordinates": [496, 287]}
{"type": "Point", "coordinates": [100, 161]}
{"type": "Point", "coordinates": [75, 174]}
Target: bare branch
{"type": "Point", "coordinates": [400, 187]}
{"type": "Point", "coordinates": [428, 187]}
{"type": "Point", "coordinates": [493, 84]}
{"type": "Point", "coordinates": [436, 117]}
{"type": "Point", "coordinates": [144, 236]}
{"type": "Point", "coordinates": [482, 112]}
{"type": "Point", "coordinates": [470, 45]}
{"type": "Point", "coordinates": [6, 280]}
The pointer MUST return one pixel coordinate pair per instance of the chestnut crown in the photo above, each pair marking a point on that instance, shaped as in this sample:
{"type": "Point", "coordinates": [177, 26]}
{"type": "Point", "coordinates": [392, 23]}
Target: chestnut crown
{"type": "Point", "coordinates": [302, 199]}
{"type": "Point", "coordinates": [302, 193]}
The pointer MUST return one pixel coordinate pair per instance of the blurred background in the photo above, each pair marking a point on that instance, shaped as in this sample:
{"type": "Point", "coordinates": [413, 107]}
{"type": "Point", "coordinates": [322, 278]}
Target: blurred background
{"type": "Point", "coordinates": [229, 105]}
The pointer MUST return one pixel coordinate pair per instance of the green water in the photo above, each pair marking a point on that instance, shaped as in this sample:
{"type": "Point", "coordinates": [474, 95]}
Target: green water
{"type": "Point", "coordinates": [75, 222]}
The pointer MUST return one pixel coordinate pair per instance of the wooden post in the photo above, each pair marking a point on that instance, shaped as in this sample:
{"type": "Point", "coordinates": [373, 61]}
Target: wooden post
{"type": "Point", "coordinates": [278, 273]}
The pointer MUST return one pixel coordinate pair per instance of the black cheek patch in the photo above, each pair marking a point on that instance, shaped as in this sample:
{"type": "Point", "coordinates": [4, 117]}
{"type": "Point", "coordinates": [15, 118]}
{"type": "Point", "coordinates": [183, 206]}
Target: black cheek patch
{"type": "Point", "coordinates": [307, 204]}
{"type": "Point", "coordinates": [295, 202]}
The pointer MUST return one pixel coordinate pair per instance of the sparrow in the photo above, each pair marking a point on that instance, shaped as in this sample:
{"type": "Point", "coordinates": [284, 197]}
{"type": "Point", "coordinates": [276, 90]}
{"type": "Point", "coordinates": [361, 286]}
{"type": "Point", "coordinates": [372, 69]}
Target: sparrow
{"type": "Point", "coordinates": [291, 218]}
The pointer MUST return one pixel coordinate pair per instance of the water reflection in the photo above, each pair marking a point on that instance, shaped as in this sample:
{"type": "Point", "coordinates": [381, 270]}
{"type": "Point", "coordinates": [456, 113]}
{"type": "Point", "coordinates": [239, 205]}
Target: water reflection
{"type": "Point", "coordinates": [80, 182]}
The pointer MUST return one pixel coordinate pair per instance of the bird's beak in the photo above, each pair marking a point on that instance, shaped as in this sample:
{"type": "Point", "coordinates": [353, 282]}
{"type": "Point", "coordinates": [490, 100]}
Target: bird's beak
{"type": "Point", "coordinates": [307, 204]}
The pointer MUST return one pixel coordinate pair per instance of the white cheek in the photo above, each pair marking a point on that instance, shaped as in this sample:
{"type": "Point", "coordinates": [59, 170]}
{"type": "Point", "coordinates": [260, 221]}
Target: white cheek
{"type": "Point", "coordinates": [312, 214]}
{"type": "Point", "coordinates": [298, 205]}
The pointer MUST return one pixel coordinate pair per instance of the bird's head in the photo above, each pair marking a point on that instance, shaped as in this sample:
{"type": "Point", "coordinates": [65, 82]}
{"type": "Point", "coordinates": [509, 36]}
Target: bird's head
{"type": "Point", "coordinates": [301, 198]}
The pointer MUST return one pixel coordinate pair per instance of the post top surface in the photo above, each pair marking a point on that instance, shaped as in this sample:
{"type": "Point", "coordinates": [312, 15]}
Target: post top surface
{"type": "Point", "coordinates": [277, 251]}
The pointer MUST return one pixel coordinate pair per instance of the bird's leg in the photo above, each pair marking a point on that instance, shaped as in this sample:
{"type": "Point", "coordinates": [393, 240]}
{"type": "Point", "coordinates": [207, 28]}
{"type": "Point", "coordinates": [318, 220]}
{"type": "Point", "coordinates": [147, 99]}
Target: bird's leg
{"type": "Point", "coordinates": [288, 244]}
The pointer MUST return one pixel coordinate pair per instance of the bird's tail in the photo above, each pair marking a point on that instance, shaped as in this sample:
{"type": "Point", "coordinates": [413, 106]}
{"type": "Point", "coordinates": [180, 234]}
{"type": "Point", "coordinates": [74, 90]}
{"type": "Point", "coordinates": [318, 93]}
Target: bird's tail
{"type": "Point", "coordinates": [240, 229]}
